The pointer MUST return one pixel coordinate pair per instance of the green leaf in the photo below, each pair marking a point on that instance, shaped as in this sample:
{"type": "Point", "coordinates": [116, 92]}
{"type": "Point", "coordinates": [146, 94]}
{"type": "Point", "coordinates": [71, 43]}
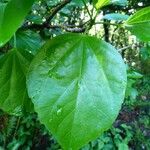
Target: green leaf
{"type": "Point", "coordinates": [134, 75]}
{"type": "Point", "coordinates": [80, 2]}
{"type": "Point", "coordinates": [116, 17]}
{"type": "Point", "coordinates": [52, 2]}
{"type": "Point", "coordinates": [13, 93]}
{"type": "Point", "coordinates": [12, 18]}
{"type": "Point", "coordinates": [101, 3]}
{"type": "Point", "coordinates": [123, 146]}
{"type": "Point", "coordinates": [36, 19]}
{"type": "Point", "coordinates": [145, 53]}
{"type": "Point", "coordinates": [2, 8]}
{"type": "Point", "coordinates": [77, 84]}
{"type": "Point", "coordinates": [139, 24]}
{"type": "Point", "coordinates": [28, 40]}
{"type": "Point", "coordinates": [145, 59]}
{"type": "Point", "coordinates": [120, 2]}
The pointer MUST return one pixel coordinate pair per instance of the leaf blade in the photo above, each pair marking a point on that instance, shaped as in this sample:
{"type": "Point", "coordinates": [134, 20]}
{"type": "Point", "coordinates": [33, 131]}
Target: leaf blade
{"type": "Point", "coordinates": [69, 83]}
{"type": "Point", "coordinates": [139, 24]}
{"type": "Point", "coordinates": [13, 68]}
{"type": "Point", "coordinates": [27, 40]}
{"type": "Point", "coordinates": [13, 16]}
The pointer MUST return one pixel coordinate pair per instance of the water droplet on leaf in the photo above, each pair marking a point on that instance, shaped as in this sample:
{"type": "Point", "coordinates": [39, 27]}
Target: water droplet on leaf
{"type": "Point", "coordinates": [59, 111]}
{"type": "Point", "coordinates": [50, 120]}
{"type": "Point", "coordinates": [50, 74]}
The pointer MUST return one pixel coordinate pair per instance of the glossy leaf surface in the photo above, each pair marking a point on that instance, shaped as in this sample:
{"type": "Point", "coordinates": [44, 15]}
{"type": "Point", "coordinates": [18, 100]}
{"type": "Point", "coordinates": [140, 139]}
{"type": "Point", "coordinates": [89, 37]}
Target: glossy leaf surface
{"type": "Point", "coordinates": [139, 24]}
{"type": "Point", "coordinates": [77, 84]}
{"type": "Point", "coordinates": [13, 93]}
{"type": "Point", "coordinates": [12, 17]}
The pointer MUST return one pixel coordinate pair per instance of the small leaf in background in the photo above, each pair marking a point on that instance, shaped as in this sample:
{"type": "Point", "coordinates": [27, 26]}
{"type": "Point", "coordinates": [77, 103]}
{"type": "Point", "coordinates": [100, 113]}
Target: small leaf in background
{"type": "Point", "coordinates": [12, 17]}
{"type": "Point", "coordinates": [139, 24]}
{"type": "Point", "coordinates": [36, 19]}
{"type": "Point", "coordinates": [13, 93]}
{"type": "Point", "coordinates": [130, 90]}
{"type": "Point", "coordinates": [145, 57]}
{"type": "Point", "coordinates": [116, 17]}
{"type": "Point", "coordinates": [101, 3]}
{"type": "Point", "coordinates": [68, 81]}
{"type": "Point", "coordinates": [80, 2]}
{"type": "Point", "coordinates": [52, 2]}
{"type": "Point", "coordinates": [119, 2]}
{"type": "Point", "coordinates": [2, 8]}
{"type": "Point", "coordinates": [123, 146]}
{"type": "Point", "coordinates": [27, 40]}
{"type": "Point", "coordinates": [145, 52]}
{"type": "Point", "coordinates": [65, 11]}
{"type": "Point", "coordinates": [134, 75]}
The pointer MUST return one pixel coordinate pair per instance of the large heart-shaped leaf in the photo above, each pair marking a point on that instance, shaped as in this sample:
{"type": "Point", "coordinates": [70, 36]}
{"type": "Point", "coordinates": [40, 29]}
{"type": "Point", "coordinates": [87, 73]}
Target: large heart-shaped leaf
{"type": "Point", "coordinates": [12, 17]}
{"type": "Point", "coordinates": [13, 93]}
{"type": "Point", "coordinates": [139, 24]}
{"type": "Point", "coordinates": [77, 84]}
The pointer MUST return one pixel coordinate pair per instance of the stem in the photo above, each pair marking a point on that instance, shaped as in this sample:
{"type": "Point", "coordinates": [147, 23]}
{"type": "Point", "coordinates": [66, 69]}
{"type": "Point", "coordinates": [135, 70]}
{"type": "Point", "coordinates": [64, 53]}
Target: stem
{"type": "Point", "coordinates": [108, 23]}
{"type": "Point", "coordinates": [91, 23]}
{"type": "Point", "coordinates": [88, 11]}
{"type": "Point", "coordinates": [140, 104]}
{"type": "Point", "coordinates": [57, 9]}
{"type": "Point", "coordinates": [17, 126]}
{"type": "Point", "coordinates": [15, 43]}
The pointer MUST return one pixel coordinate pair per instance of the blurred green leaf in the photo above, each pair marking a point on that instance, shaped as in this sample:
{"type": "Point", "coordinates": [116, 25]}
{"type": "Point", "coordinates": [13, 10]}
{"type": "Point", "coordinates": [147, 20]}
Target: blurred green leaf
{"type": "Point", "coordinates": [101, 3]}
{"type": "Point", "coordinates": [36, 19]}
{"type": "Point", "coordinates": [145, 53]}
{"type": "Point", "coordinates": [134, 75]}
{"type": "Point", "coordinates": [139, 24]}
{"type": "Point", "coordinates": [116, 17]}
{"type": "Point", "coordinates": [123, 146]}
{"type": "Point", "coordinates": [27, 40]}
{"type": "Point", "coordinates": [12, 17]}
{"type": "Point", "coordinates": [119, 2]}
{"type": "Point", "coordinates": [2, 9]}
{"type": "Point", "coordinates": [80, 2]}
{"type": "Point", "coordinates": [13, 93]}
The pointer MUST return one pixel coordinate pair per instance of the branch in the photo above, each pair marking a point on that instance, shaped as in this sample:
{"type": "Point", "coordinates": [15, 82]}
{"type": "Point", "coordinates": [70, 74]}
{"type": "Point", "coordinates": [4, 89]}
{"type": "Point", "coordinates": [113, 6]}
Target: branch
{"type": "Point", "coordinates": [124, 48]}
{"type": "Point", "coordinates": [88, 11]}
{"type": "Point", "coordinates": [68, 28]}
{"type": "Point", "coordinates": [55, 10]}
{"type": "Point", "coordinates": [108, 23]}
{"type": "Point", "coordinates": [129, 46]}
{"type": "Point", "coordinates": [75, 30]}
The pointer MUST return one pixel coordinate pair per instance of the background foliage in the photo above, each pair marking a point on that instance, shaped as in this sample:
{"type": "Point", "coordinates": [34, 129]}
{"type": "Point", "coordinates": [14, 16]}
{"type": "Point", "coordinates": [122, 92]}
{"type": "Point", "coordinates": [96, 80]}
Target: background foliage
{"type": "Point", "coordinates": [131, 130]}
